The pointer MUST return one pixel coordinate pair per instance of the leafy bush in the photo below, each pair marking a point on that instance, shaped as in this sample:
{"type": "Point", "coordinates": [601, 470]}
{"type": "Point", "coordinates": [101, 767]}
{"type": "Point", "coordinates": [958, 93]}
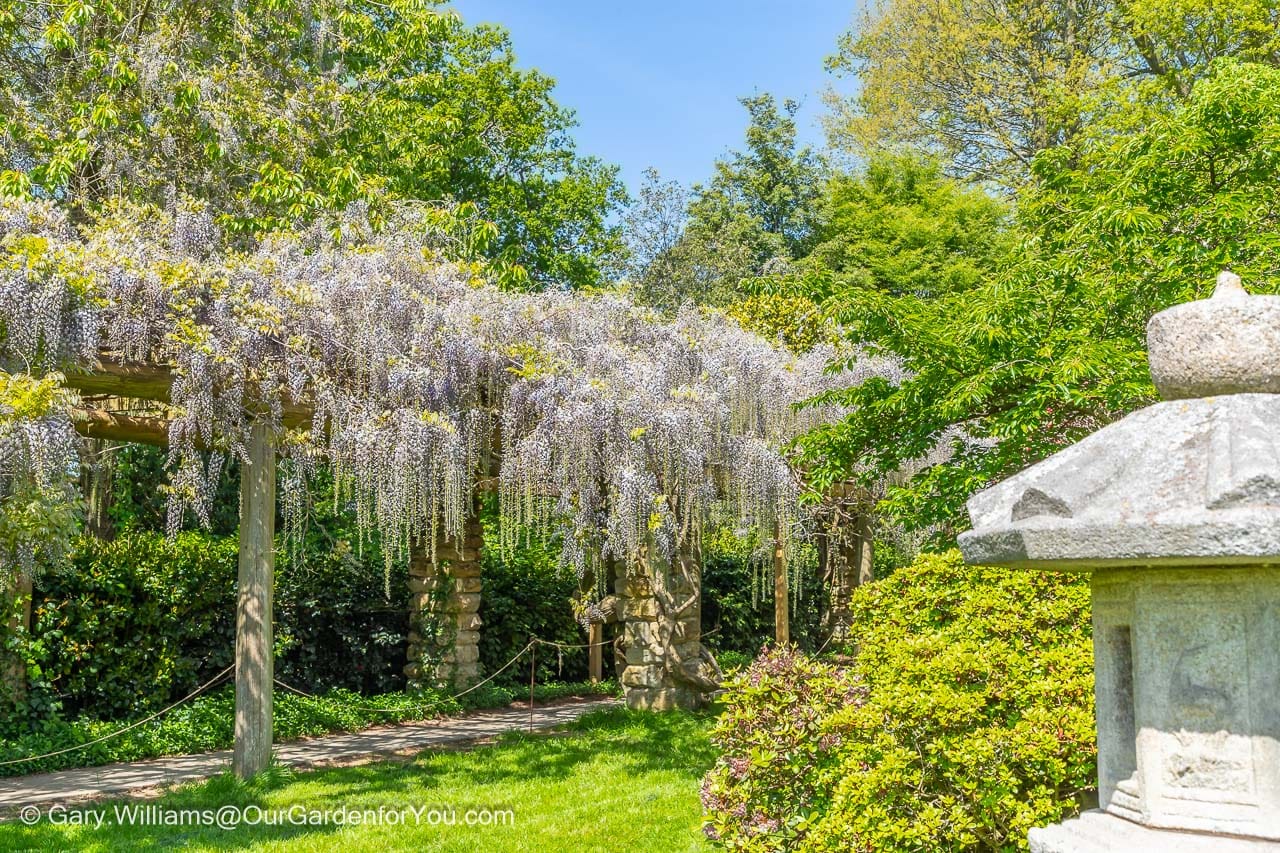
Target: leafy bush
{"type": "Point", "coordinates": [965, 719]}
{"type": "Point", "coordinates": [528, 594]}
{"type": "Point", "coordinates": [135, 623]}
{"type": "Point", "coordinates": [208, 722]}
{"type": "Point", "coordinates": [774, 771]}
{"type": "Point", "coordinates": [141, 621]}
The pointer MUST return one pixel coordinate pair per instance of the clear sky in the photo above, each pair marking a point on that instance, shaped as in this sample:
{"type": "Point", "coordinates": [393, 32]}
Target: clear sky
{"type": "Point", "coordinates": [656, 83]}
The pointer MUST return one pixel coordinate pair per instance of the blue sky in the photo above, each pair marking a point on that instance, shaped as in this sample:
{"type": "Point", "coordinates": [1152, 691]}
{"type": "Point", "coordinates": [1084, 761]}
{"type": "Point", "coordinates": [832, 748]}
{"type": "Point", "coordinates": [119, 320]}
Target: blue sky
{"type": "Point", "coordinates": [656, 83]}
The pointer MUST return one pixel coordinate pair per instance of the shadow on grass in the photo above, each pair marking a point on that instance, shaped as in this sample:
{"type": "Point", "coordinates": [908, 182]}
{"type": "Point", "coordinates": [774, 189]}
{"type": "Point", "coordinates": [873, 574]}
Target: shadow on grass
{"type": "Point", "coordinates": [632, 744]}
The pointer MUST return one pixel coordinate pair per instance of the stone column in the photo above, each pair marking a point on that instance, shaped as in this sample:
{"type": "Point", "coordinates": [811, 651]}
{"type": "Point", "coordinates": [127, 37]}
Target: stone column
{"type": "Point", "coordinates": [1175, 513]}
{"type": "Point", "coordinates": [444, 612]}
{"type": "Point", "coordinates": [667, 666]}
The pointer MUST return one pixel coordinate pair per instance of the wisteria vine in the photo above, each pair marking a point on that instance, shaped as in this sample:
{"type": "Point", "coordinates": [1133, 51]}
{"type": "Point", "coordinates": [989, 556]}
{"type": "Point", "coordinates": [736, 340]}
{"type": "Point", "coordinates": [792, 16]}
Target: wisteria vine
{"type": "Point", "coordinates": [597, 417]}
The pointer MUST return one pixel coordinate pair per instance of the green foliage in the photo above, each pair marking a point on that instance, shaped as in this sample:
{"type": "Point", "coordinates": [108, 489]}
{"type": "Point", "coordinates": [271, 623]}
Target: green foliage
{"type": "Point", "coordinates": [798, 321]}
{"type": "Point", "coordinates": [141, 621]}
{"type": "Point", "coordinates": [207, 723]}
{"type": "Point", "coordinates": [965, 718]}
{"type": "Point", "coordinates": [274, 112]}
{"type": "Point", "coordinates": [139, 491]}
{"type": "Point", "coordinates": [989, 85]}
{"type": "Point", "coordinates": [900, 226]}
{"type": "Point", "coordinates": [528, 594]}
{"type": "Point", "coordinates": [737, 595]}
{"type": "Point", "coordinates": [135, 623]}
{"type": "Point", "coordinates": [773, 181]}
{"type": "Point", "coordinates": [1052, 345]}
{"type": "Point", "coordinates": [758, 212]}
{"type": "Point", "coordinates": [770, 782]}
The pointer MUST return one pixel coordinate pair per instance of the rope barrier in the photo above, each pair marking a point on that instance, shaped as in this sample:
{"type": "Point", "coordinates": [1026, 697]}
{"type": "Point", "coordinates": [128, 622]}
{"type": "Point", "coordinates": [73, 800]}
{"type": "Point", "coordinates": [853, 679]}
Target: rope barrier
{"type": "Point", "coordinates": [193, 694]}
{"type": "Point", "coordinates": [437, 702]}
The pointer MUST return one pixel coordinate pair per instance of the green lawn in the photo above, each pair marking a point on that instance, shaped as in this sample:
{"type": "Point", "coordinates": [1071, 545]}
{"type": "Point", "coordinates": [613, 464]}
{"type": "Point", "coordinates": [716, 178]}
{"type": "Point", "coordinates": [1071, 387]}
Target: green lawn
{"type": "Point", "coordinates": [613, 780]}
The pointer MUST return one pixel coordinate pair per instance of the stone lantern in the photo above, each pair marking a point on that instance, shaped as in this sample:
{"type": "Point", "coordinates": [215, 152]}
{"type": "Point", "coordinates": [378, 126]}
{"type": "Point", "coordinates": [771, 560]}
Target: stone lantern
{"type": "Point", "coordinates": [1175, 512]}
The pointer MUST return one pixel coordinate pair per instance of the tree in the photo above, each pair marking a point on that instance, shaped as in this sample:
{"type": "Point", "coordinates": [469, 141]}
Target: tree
{"type": "Point", "coordinates": [272, 111]}
{"type": "Point", "coordinates": [773, 181]}
{"type": "Point", "coordinates": [1051, 345]}
{"type": "Point", "coordinates": [898, 226]}
{"type": "Point", "coordinates": [987, 84]}
{"type": "Point", "coordinates": [758, 213]}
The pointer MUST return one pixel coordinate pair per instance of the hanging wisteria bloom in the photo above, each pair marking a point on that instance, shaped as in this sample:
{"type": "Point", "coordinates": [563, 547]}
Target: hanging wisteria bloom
{"type": "Point", "coordinates": [412, 377]}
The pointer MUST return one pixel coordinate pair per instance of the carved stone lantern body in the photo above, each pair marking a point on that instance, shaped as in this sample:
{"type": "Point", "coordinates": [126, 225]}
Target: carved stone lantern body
{"type": "Point", "coordinates": [1175, 512]}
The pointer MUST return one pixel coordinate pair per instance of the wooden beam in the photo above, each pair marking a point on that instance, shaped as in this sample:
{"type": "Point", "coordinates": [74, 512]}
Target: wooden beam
{"type": "Point", "coordinates": [138, 429]}
{"type": "Point", "coordinates": [110, 377]}
{"type": "Point", "coordinates": [254, 662]}
{"type": "Point", "coordinates": [595, 654]}
{"type": "Point", "coordinates": [781, 592]}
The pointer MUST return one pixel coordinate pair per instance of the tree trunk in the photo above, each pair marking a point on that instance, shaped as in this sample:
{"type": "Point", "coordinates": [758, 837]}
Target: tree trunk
{"type": "Point", "coordinates": [255, 665]}
{"type": "Point", "coordinates": [13, 669]}
{"type": "Point", "coordinates": [781, 592]}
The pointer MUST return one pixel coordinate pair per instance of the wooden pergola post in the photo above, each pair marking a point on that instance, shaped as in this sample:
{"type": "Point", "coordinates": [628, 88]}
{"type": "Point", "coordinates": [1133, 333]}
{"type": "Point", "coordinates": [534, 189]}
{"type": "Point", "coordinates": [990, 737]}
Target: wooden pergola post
{"type": "Point", "coordinates": [254, 659]}
{"type": "Point", "coordinates": [13, 671]}
{"type": "Point", "coordinates": [595, 651]}
{"type": "Point", "coordinates": [781, 592]}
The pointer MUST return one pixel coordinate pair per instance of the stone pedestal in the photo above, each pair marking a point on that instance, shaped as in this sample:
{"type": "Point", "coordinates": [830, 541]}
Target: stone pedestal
{"type": "Point", "coordinates": [1175, 510]}
{"type": "Point", "coordinates": [1096, 831]}
{"type": "Point", "coordinates": [444, 612]}
{"type": "Point", "coordinates": [1188, 696]}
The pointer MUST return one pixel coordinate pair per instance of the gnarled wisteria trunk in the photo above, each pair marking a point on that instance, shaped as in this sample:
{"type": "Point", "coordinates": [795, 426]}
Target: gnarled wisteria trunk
{"type": "Point", "coordinates": [667, 665]}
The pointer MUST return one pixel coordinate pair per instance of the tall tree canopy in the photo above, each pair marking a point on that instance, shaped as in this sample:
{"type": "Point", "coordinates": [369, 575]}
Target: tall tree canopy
{"type": "Point", "coordinates": [987, 84]}
{"type": "Point", "coordinates": [1051, 345]}
{"type": "Point", "coordinates": [274, 110]}
{"type": "Point", "coordinates": [760, 208]}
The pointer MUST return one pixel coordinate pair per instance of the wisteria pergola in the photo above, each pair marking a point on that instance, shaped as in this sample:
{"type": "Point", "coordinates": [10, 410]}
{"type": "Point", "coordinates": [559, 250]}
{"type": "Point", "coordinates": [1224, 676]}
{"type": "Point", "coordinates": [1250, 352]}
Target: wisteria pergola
{"type": "Point", "coordinates": [412, 378]}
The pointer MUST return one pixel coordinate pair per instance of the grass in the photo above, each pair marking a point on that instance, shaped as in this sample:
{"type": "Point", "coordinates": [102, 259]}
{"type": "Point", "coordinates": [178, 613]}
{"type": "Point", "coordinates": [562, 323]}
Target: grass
{"type": "Point", "coordinates": [612, 780]}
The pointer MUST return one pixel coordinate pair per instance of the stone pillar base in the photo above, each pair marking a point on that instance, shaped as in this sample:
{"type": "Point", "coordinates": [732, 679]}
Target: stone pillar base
{"type": "Point", "coordinates": [1098, 832]}
{"type": "Point", "coordinates": [664, 699]}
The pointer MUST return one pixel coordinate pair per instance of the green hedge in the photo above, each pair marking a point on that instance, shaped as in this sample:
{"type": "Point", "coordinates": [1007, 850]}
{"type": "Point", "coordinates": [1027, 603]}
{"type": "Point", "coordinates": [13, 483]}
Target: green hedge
{"type": "Point", "coordinates": [528, 594]}
{"type": "Point", "coordinates": [965, 719]}
{"type": "Point", "coordinates": [140, 621]}
{"type": "Point", "coordinates": [737, 596]}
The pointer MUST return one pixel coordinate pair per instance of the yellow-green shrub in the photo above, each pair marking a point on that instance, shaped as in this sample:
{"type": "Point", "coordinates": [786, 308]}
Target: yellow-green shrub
{"type": "Point", "coordinates": [965, 719]}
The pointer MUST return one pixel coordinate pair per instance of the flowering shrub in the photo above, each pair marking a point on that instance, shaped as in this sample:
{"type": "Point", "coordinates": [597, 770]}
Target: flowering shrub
{"type": "Point", "coordinates": [771, 778]}
{"type": "Point", "coordinates": [965, 719]}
